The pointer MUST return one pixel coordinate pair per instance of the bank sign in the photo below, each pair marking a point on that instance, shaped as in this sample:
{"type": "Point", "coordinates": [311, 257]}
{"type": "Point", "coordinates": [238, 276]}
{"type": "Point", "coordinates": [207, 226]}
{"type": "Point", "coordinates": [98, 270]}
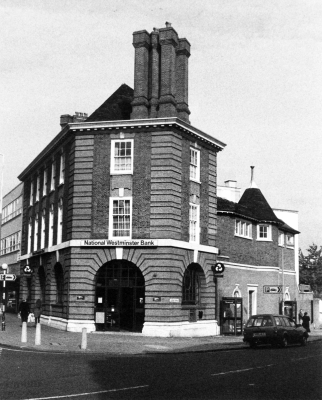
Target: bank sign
{"type": "Point", "coordinates": [119, 243]}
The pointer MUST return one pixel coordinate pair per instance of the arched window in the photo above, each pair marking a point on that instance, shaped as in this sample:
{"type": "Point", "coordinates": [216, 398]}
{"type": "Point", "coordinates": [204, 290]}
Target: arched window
{"type": "Point", "coordinates": [59, 278]}
{"type": "Point", "coordinates": [191, 285]}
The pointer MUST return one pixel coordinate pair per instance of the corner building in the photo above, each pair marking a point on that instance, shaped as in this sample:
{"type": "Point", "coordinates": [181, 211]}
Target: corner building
{"type": "Point", "coordinates": [119, 215]}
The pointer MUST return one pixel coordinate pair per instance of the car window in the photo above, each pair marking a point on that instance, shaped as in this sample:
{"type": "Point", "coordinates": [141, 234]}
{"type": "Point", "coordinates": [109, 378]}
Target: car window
{"type": "Point", "coordinates": [286, 321]}
{"type": "Point", "coordinates": [278, 321]}
{"type": "Point", "coordinates": [292, 323]}
{"type": "Point", "coordinates": [258, 321]}
{"type": "Point", "coordinates": [267, 321]}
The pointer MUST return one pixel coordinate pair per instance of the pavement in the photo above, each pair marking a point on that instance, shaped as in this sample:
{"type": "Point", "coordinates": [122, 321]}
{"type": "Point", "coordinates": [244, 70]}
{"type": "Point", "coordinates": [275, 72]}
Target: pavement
{"type": "Point", "coordinates": [116, 343]}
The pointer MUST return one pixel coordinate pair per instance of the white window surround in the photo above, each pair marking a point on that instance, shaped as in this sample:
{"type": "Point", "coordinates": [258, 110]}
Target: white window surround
{"type": "Point", "coordinates": [254, 290]}
{"type": "Point", "coordinates": [243, 229]}
{"type": "Point", "coordinates": [122, 219]}
{"type": "Point", "coordinates": [36, 232]}
{"type": "Point", "coordinates": [31, 193]}
{"type": "Point", "coordinates": [43, 229]}
{"type": "Point", "coordinates": [264, 232]}
{"type": "Point", "coordinates": [62, 169]}
{"type": "Point", "coordinates": [51, 226]}
{"type": "Point", "coordinates": [122, 153]}
{"type": "Point", "coordinates": [194, 224]}
{"type": "Point", "coordinates": [60, 222]}
{"type": "Point", "coordinates": [45, 182]}
{"type": "Point", "coordinates": [53, 176]}
{"type": "Point", "coordinates": [194, 165]}
{"type": "Point", "coordinates": [38, 188]}
{"type": "Point", "coordinates": [29, 236]}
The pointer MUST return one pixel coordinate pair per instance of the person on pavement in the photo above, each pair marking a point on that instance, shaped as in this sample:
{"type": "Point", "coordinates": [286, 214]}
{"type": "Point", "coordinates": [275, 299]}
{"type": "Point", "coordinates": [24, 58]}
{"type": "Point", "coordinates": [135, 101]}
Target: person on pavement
{"type": "Point", "coordinates": [37, 311]}
{"type": "Point", "coordinates": [300, 316]}
{"type": "Point", "coordinates": [24, 310]}
{"type": "Point", "coordinates": [306, 322]}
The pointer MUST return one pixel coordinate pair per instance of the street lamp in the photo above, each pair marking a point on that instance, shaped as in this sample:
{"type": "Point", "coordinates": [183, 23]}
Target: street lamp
{"type": "Point", "coordinates": [4, 267]}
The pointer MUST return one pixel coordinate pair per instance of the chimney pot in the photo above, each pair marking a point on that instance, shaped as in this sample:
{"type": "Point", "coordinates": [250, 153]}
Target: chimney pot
{"type": "Point", "coordinates": [168, 24]}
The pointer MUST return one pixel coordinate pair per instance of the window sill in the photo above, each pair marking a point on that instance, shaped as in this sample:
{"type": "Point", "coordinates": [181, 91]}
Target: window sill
{"type": "Point", "coordinates": [264, 240]}
{"type": "Point", "coordinates": [195, 181]}
{"type": "Point", "coordinates": [243, 237]}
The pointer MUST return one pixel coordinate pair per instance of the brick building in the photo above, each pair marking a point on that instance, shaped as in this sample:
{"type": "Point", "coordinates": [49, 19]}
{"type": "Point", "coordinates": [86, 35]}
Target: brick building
{"type": "Point", "coordinates": [119, 213]}
{"type": "Point", "coordinates": [260, 253]}
{"type": "Point", "coordinates": [11, 223]}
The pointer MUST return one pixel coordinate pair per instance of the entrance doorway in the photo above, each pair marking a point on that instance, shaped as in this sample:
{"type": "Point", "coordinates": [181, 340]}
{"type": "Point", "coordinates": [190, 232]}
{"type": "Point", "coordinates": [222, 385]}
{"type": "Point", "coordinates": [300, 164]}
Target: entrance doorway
{"type": "Point", "coordinates": [119, 298]}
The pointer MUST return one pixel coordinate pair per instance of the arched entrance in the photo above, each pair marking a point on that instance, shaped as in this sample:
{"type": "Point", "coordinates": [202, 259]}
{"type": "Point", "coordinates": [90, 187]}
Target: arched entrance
{"type": "Point", "coordinates": [119, 297]}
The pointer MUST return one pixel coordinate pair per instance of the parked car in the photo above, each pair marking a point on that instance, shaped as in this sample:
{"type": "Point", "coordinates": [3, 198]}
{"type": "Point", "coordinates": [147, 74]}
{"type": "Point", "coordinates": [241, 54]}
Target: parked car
{"type": "Point", "coordinates": [273, 329]}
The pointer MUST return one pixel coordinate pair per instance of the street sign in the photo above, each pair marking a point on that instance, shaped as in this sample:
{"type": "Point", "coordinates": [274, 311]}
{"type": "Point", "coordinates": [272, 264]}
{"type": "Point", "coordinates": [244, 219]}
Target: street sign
{"type": "Point", "coordinates": [7, 277]}
{"type": "Point", "coordinates": [218, 268]}
{"type": "Point", "coordinates": [274, 289]}
{"type": "Point", "coordinates": [27, 270]}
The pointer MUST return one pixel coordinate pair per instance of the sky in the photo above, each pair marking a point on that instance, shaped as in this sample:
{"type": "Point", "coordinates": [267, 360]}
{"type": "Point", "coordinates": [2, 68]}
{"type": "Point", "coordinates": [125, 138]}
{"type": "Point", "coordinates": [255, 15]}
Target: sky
{"type": "Point", "coordinates": [255, 83]}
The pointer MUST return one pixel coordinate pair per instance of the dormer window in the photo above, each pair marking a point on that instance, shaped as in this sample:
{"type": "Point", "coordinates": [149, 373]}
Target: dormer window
{"type": "Point", "coordinates": [289, 239]}
{"type": "Point", "coordinates": [243, 229]}
{"type": "Point", "coordinates": [264, 232]}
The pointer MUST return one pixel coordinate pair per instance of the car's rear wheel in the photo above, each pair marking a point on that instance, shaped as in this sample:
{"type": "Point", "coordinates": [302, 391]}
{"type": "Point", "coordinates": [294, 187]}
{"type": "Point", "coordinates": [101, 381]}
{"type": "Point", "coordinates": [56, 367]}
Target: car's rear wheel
{"type": "Point", "coordinates": [303, 341]}
{"type": "Point", "coordinates": [284, 341]}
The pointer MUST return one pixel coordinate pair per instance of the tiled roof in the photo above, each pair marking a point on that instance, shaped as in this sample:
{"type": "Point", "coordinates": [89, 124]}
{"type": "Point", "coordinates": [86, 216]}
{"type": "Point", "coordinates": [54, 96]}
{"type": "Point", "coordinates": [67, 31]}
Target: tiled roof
{"type": "Point", "coordinates": [116, 107]}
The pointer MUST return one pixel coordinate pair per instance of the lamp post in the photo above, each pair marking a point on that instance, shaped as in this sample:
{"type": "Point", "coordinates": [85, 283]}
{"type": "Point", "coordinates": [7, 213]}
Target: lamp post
{"type": "Point", "coordinates": [4, 267]}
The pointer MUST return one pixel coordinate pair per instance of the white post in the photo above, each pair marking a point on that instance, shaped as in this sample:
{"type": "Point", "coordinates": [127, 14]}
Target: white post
{"type": "Point", "coordinates": [38, 334]}
{"type": "Point", "coordinates": [84, 339]}
{"type": "Point", "coordinates": [24, 332]}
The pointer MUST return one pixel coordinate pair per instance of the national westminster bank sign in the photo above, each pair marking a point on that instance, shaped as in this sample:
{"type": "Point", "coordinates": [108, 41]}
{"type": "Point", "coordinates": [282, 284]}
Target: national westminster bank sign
{"type": "Point", "coordinates": [117, 242]}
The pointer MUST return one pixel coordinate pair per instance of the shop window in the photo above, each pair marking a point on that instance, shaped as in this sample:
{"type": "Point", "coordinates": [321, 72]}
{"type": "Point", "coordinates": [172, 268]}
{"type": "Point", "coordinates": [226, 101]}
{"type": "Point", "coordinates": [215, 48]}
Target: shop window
{"type": "Point", "coordinates": [120, 217]}
{"type": "Point", "coordinates": [122, 156]}
{"type": "Point", "coordinates": [194, 165]}
{"type": "Point", "coordinates": [59, 280]}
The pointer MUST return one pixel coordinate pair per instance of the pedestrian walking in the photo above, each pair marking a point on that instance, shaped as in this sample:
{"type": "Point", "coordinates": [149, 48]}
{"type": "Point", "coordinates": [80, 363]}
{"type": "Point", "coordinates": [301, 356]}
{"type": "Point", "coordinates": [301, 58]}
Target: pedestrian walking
{"type": "Point", "coordinates": [306, 322]}
{"type": "Point", "coordinates": [37, 311]}
{"type": "Point", "coordinates": [300, 316]}
{"type": "Point", "coordinates": [24, 310]}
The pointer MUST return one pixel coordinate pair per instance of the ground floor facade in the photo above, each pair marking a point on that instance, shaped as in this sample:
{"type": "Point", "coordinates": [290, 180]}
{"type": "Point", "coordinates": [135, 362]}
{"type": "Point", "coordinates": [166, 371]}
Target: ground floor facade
{"type": "Point", "coordinates": [160, 288]}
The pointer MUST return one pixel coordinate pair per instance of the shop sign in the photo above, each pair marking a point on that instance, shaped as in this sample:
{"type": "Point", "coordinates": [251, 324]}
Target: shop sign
{"type": "Point", "coordinates": [273, 289]}
{"type": "Point", "coordinates": [156, 298]}
{"type": "Point", "coordinates": [174, 300]}
{"type": "Point", "coordinates": [119, 243]}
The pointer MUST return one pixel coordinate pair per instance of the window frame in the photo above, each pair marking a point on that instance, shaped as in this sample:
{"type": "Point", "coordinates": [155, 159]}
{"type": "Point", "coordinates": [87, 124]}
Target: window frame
{"type": "Point", "coordinates": [43, 229]}
{"type": "Point", "coordinates": [51, 226]}
{"type": "Point", "coordinates": [288, 241]}
{"type": "Point", "coordinates": [53, 176]}
{"type": "Point", "coordinates": [243, 229]}
{"type": "Point", "coordinates": [45, 182]}
{"type": "Point", "coordinates": [111, 217]}
{"type": "Point", "coordinates": [31, 200]}
{"type": "Point", "coordinates": [62, 169]}
{"type": "Point", "coordinates": [36, 228]}
{"type": "Point", "coordinates": [60, 222]}
{"type": "Point", "coordinates": [113, 157]}
{"type": "Point", "coordinates": [268, 238]}
{"type": "Point", "coordinates": [194, 234]}
{"type": "Point", "coordinates": [194, 167]}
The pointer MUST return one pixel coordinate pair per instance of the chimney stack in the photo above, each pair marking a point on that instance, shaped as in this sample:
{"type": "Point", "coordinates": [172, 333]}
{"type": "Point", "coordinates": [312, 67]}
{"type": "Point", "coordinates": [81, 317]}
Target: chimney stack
{"type": "Point", "coordinates": [69, 119]}
{"type": "Point", "coordinates": [160, 74]}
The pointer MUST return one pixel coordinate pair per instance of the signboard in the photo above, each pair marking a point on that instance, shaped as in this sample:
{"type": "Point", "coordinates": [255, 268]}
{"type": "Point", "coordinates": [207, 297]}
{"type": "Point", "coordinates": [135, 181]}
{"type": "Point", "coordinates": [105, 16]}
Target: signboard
{"type": "Point", "coordinates": [7, 277]}
{"type": "Point", "coordinates": [156, 298]}
{"type": "Point", "coordinates": [119, 243]}
{"type": "Point", "coordinates": [80, 297]}
{"type": "Point", "coordinates": [174, 300]}
{"type": "Point", "coordinates": [218, 268]}
{"type": "Point", "coordinates": [27, 270]}
{"type": "Point", "coordinates": [273, 289]}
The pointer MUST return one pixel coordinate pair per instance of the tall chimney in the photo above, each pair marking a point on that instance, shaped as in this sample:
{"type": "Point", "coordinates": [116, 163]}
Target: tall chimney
{"type": "Point", "coordinates": [141, 43]}
{"type": "Point", "coordinates": [160, 75]}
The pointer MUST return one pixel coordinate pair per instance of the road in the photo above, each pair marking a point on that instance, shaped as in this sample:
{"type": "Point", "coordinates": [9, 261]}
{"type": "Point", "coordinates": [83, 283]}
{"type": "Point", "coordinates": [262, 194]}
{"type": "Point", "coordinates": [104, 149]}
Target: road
{"type": "Point", "coordinates": [263, 373]}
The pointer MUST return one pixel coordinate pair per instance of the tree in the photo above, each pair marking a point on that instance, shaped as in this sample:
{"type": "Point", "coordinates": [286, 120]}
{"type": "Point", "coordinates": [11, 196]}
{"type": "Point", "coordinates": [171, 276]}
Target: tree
{"type": "Point", "coordinates": [311, 269]}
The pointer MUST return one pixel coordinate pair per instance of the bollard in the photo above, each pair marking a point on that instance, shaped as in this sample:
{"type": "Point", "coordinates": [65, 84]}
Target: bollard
{"type": "Point", "coordinates": [84, 339]}
{"type": "Point", "coordinates": [38, 335]}
{"type": "Point", "coordinates": [24, 332]}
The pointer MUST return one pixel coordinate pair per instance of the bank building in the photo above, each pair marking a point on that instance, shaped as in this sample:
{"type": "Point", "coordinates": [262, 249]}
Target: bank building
{"type": "Point", "coordinates": [119, 210]}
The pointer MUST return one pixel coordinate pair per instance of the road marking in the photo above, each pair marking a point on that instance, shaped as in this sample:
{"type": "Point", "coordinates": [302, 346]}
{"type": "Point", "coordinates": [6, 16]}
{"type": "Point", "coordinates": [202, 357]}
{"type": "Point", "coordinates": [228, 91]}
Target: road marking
{"type": "Point", "coordinates": [242, 370]}
{"type": "Point", "coordinates": [85, 394]}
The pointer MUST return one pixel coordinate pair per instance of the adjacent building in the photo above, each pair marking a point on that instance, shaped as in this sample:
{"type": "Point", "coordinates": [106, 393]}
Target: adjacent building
{"type": "Point", "coordinates": [10, 244]}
